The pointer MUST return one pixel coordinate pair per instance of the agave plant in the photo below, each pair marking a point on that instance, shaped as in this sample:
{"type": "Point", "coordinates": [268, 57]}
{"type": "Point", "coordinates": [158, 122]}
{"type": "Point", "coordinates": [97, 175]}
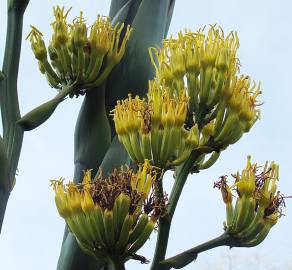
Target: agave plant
{"type": "Point", "coordinates": [151, 104]}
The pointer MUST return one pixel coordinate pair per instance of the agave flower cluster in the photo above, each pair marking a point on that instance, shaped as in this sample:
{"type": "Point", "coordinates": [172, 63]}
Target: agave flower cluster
{"type": "Point", "coordinates": [111, 217]}
{"type": "Point", "coordinates": [196, 99]}
{"type": "Point", "coordinates": [154, 129]}
{"type": "Point", "coordinates": [205, 65]}
{"type": "Point", "coordinates": [258, 204]}
{"type": "Point", "coordinates": [78, 56]}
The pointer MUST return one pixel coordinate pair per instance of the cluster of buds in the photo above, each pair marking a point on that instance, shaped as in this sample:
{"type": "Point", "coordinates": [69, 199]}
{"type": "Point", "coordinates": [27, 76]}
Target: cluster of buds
{"type": "Point", "coordinates": [154, 129]}
{"type": "Point", "coordinates": [111, 217]}
{"type": "Point", "coordinates": [76, 56]}
{"type": "Point", "coordinates": [258, 204]}
{"type": "Point", "coordinates": [206, 67]}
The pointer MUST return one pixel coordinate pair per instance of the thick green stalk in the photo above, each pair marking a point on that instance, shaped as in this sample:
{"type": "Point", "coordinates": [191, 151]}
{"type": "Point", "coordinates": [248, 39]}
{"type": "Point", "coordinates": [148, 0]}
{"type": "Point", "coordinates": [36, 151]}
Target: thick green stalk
{"type": "Point", "coordinates": [181, 260]}
{"type": "Point", "coordinates": [92, 134]}
{"type": "Point", "coordinates": [92, 139]}
{"type": "Point", "coordinates": [115, 264]}
{"type": "Point", "coordinates": [4, 196]}
{"type": "Point", "coordinates": [148, 19]}
{"type": "Point", "coordinates": [165, 222]}
{"type": "Point", "coordinates": [169, 16]}
{"type": "Point", "coordinates": [12, 134]}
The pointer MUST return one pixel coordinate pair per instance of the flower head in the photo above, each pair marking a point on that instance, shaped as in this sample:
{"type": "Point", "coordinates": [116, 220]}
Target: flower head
{"type": "Point", "coordinates": [205, 66]}
{"type": "Point", "coordinates": [78, 56]}
{"type": "Point", "coordinates": [154, 129]}
{"type": "Point", "coordinates": [114, 215]}
{"type": "Point", "coordinates": [258, 204]}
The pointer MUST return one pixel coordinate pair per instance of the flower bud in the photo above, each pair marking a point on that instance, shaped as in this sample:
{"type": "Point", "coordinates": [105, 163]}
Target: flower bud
{"type": "Point", "coordinates": [37, 44]}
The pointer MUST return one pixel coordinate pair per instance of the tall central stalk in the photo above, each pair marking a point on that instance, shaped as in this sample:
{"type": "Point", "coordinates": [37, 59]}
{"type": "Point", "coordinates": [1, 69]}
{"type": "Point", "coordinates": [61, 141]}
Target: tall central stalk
{"type": "Point", "coordinates": [92, 139]}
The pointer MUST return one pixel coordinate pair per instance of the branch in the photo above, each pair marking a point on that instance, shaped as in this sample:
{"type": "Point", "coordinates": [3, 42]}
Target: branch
{"type": "Point", "coordinates": [181, 260]}
{"type": "Point", "coordinates": [165, 222]}
{"type": "Point", "coordinates": [42, 113]}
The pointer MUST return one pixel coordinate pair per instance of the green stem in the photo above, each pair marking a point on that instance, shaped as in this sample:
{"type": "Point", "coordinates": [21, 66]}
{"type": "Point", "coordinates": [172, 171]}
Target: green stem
{"type": "Point", "coordinates": [165, 222]}
{"type": "Point", "coordinates": [4, 196]}
{"type": "Point", "coordinates": [188, 256]}
{"type": "Point", "coordinates": [115, 264]}
{"type": "Point", "coordinates": [12, 134]}
{"type": "Point", "coordinates": [92, 134]}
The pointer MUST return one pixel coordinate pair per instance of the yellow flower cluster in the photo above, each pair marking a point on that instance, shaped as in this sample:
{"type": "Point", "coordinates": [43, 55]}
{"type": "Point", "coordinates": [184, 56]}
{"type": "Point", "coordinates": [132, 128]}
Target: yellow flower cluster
{"type": "Point", "coordinates": [112, 216]}
{"type": "Point", "coordinates": [197, 98]}
{"type": "Point", "coordinates": [258, 204]}
{"type": "Point", "coordinates": [206, 61]}
{"type": "Point", "coordinates": [154, 129]}
{"type": "Point", "coordinates": [76, 56]}
{"type": "Point", "coordinates": [206, 67]}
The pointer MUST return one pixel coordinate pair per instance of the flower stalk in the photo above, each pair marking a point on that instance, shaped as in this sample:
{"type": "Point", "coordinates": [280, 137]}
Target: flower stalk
{"type": "Point", "coordinates": [165, 222]}
{"type": "Point", "coordinates": [182, 259]}
{"type": "Point", "coordinates": [12, 134]}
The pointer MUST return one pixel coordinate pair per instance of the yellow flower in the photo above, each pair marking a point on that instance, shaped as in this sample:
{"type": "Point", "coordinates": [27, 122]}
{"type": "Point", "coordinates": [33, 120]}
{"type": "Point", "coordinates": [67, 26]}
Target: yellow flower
{"type": "Point", "coordinates": [246, 182]}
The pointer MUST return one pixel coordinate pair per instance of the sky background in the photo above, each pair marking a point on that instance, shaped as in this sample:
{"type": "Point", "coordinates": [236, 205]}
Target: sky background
{"type": "Point", "coordinates": [32, 230]}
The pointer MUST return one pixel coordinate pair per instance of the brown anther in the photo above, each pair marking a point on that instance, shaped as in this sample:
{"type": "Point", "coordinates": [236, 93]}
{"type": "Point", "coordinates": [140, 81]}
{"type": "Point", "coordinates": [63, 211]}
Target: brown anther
{"type": "Point", "coordinates": [276, 204]}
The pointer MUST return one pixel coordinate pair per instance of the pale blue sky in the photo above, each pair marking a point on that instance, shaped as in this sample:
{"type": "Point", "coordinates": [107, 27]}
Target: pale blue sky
{"type": "Point", "coordinates": [32, 231]}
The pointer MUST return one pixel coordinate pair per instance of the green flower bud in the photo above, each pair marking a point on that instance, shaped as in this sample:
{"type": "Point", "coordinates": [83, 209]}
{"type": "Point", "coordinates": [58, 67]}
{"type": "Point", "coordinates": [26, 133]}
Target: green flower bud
{"type": "Point", "coordinates": [37, 44]}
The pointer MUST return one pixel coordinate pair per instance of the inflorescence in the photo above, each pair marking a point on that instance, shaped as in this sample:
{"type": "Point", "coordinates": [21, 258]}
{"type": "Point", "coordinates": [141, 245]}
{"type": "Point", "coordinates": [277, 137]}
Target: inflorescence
{"type": "Point", "coordinates": [79, 55]}
{"type": "Point", "coordinates": [258, 205]}
{"type": "Point", "coordinates": [196, 99]}
{"type": "Point", "coordinates": [111, 216]}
